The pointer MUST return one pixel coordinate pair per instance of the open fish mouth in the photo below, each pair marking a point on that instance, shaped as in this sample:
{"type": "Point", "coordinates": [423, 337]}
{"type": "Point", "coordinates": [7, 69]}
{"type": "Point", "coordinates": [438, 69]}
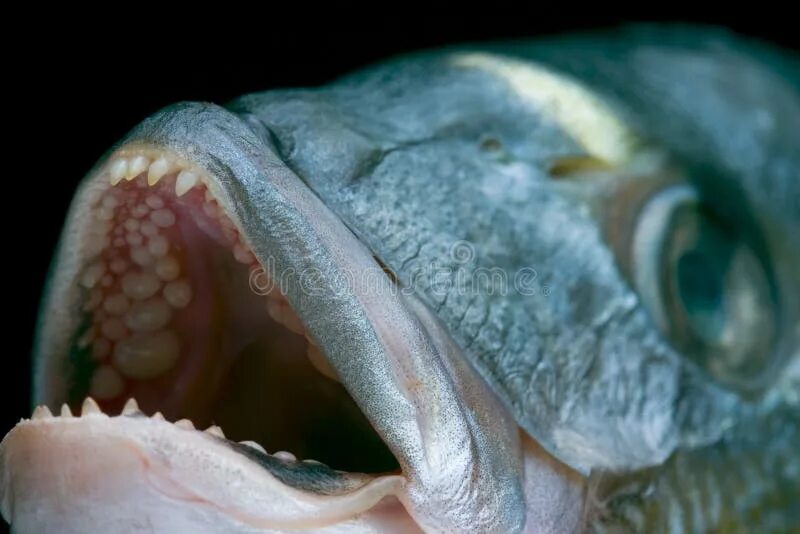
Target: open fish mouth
{"type": "Point", "coordinates": [163, 321]}
{"type": "Point", "coordinates": [177, 313]}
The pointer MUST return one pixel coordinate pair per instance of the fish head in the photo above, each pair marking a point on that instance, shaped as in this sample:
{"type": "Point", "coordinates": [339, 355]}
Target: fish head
{"type": "Point", "coordinates": [485, 302]}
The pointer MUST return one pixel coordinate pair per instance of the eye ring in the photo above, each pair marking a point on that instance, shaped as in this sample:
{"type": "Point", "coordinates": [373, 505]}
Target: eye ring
{"type": "Point", "coordinates": [705, 287]}
{"type": "Point", "coordinates": [648, 242]}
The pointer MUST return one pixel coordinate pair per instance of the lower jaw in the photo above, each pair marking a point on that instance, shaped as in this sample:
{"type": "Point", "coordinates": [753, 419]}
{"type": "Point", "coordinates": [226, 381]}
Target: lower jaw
{"type": "Point", "coordinates": [129, 470]}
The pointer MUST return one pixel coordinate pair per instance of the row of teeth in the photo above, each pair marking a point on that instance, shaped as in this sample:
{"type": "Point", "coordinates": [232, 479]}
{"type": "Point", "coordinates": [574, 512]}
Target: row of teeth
{"type": "Point", "coordinates": [129, 168]}
{"type": "Point", "coordinates": [91, 408]}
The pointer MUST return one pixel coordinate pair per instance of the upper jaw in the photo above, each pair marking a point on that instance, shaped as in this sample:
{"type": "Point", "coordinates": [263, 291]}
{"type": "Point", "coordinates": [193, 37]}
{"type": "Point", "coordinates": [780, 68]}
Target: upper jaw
{"type": "Point", "coordinates": [455, 443]}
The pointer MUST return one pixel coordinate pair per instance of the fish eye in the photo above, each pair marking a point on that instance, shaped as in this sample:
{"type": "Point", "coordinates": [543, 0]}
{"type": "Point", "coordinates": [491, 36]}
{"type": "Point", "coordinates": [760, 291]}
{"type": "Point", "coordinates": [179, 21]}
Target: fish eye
{"type": "Point", "coordinates": [707, 288]}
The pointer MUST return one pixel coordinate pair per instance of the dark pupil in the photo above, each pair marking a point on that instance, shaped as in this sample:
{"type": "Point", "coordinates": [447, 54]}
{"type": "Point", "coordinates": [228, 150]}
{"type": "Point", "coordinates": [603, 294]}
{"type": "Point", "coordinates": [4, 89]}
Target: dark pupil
{"type": "Point", "coordinates": [701, 278]}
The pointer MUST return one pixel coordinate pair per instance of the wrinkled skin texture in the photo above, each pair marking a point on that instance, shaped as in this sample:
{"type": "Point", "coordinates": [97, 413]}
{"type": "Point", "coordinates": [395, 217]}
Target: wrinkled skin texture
{"type": "Point", "coordinates": [455, 163]}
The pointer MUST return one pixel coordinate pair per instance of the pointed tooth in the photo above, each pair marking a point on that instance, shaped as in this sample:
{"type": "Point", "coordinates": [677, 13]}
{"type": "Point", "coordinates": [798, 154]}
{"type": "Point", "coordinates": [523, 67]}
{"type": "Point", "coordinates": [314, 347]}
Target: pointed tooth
{"type": "Point", "coordinates": [118, 170]}
{"type": "Point", "coordinates": [158, 416]}
{"type": "Point", "coordinates": [286, 456]}
{"type": "Point", "coordinates": [131, 407]}
{"type": "Point", "coordinates": [136, 167]}
{"type": "Point", "coordinates": [65, 411]}
{"type": "Point", "coordinates": [214, 430]}
{"type": "Point", "coordinates": [253, 445]}
{"type": "Point", "coordinates": [90, 407]}
{"type": "Point", "coordinates": [41, 412]}
{"type": "Point", "coordinates": [185, 181]}
{"type": "Point", "coordinates": [185, 424]}
{"type": "Point", "coordinates": [157, 170]}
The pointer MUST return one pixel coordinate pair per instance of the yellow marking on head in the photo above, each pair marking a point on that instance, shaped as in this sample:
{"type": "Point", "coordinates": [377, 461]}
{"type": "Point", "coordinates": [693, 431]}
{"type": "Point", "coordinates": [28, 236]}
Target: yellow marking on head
{"type": "Point", "coordinates": [581, 113]}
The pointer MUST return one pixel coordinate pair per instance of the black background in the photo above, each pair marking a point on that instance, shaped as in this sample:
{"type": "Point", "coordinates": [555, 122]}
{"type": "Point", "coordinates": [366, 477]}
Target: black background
{"type": "Point", "coordinates": [78, 90]}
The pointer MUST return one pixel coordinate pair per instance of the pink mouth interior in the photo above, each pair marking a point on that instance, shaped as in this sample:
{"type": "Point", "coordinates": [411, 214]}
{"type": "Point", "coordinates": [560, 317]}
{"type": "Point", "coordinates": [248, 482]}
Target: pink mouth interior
{"type": "Point", "coordinates": [173, 319]}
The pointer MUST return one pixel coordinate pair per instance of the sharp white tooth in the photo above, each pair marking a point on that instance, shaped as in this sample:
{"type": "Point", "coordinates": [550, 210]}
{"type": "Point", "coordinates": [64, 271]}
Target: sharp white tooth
{"type": "Point", "coordinates": [185, 424]}
{"type": "Point", "coordinates": [185, 181]}
{"type": "Point", "coordinates": [90, 407]}
{"type": "Point", "coordinates": [214, 430]}
{"type": "Point", "coordinates": [65, 411]}
{"type": "Point", "coordinates": [41, 412]}
{"type": "Point", "coordinates": [136, 167]}
{"type": "Point", "coordinates": [118, 170]}
{"type": "Point", "coordinates": [253, 445]}
{"type": "Point", "coordinates": [158, 416]}
{"type": "Point", "coordinates": [131, 407]}
{"type": "Point", "coordinates": [157, 170]}
{"type": "Point", "coordinates": [285, 456]}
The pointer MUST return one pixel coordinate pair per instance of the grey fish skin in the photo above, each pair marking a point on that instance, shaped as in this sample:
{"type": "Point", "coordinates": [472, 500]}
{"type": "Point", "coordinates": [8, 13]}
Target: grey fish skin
{"type": "Point", "coordinates": [396, 153]}
{"type": "Point", "coordinates": [441, 166]}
